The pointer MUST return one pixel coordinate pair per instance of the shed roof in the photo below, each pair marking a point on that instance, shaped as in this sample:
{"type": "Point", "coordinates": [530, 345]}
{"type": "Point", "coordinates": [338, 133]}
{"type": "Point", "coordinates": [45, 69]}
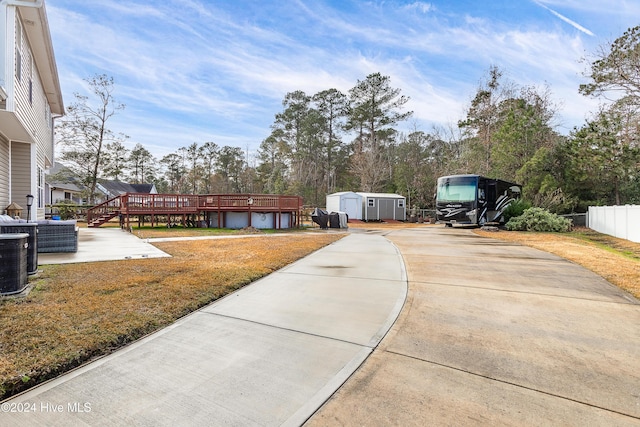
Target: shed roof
{"type": "Point", "coordinates": [342, 193]}
{"type": "Point", "coordinates": [382, 195]}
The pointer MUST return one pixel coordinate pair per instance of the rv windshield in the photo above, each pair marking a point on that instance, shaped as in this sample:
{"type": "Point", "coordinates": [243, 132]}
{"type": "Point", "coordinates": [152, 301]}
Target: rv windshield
{"type": "Point", "coordinates": [457, 189]}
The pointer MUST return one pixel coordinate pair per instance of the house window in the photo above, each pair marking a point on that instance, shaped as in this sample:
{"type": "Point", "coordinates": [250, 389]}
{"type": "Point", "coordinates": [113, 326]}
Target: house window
{"type": "Point", "coordinates": [18, 64]}
{"type": "Point", "coordinates": [371, 202]}
{"type": "Point", "coordinates": [40, 187]}
{"type": "Point", "coordinates": [401, 203]}
{"type": "Point", "coordinates": [18, 51]}
{"type": "Point", "coordinates": [47, 114]}
{"type": "Point", "coordinates": [67, 195]}
{"type": "Point", "coordinates": [30, 79]}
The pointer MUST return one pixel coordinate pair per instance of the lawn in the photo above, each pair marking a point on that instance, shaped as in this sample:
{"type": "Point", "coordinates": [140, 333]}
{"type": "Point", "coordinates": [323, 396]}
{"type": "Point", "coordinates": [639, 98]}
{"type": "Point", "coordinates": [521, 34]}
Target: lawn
{"type": "Point", "coordinates": [77, 312]}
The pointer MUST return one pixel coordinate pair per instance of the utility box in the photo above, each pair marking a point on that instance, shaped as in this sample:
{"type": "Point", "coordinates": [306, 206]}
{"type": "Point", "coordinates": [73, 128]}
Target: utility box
{"type": "Point", "coordinates": [13, 268]}
{"type": "Point", "coordinates": [31, 228]}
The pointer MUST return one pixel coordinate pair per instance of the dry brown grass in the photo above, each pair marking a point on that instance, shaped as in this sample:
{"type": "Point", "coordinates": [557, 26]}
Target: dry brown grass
{"type": "Point", "coordinates": [617, 260]}
{"type": "Point", "coordinates": [80, 311]}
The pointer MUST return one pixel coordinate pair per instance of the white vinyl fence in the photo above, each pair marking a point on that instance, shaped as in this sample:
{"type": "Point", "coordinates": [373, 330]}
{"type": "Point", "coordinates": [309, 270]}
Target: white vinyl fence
{"type": "Point", "coordinates": [618, 221]}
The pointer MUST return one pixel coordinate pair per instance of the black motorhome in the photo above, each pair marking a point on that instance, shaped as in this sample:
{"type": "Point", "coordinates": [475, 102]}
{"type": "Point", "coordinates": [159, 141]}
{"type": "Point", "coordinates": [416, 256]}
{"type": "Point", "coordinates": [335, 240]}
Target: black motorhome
{"type": "Point", "coordinates": [473, 199]}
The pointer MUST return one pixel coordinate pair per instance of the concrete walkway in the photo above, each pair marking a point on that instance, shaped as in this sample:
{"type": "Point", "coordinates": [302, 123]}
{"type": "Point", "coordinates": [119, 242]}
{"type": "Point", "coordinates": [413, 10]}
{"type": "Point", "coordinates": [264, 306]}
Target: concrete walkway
{"type": "Point", "coordinates": [269, 354]}
{"type": "Point", "coordinates": [104, 244]}
{"type": "Point", "coordinates": [497, 334]}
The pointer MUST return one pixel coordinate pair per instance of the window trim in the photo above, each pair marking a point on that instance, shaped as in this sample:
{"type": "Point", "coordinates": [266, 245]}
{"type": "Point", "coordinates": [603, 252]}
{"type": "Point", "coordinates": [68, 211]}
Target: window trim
{"type": "Point", "coordinates": [41, 180]}
{"type": "Point", "coordinates": [18, 50]}
{"type": "Point", "coordinates": [18, 64]}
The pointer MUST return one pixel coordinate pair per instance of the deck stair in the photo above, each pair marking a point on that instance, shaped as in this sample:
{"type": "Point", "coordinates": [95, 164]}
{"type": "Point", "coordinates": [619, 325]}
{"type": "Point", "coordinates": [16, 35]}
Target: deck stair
{"type": "Point", "coordinates": [102, 219]}
{"type": "Point", "coordinates": [104, 212]}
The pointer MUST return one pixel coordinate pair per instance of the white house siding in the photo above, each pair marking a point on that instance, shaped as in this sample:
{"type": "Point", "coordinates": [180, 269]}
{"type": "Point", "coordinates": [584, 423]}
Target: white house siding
{"type": "Point", "coordinates": [20, 174]}
{"type": "Point", "coordinates": [29, 79]}
{"type": "Point", "coordinates": [31, 107]}
{"type": "Point", "coordinates": [22, 107]}
{"type": "Point", "coordinates": [4, 174]}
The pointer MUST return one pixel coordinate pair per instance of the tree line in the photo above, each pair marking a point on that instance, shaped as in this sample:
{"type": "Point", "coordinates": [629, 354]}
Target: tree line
{"type": "Point", "coordinates": [332, 141]}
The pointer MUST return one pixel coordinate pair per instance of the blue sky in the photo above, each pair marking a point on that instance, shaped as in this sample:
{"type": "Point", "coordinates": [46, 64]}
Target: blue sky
{"type": "Point", "coordinates": [202, 70]}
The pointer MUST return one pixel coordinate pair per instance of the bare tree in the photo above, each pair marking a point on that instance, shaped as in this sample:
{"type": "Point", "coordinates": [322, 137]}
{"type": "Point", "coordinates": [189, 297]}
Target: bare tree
{"type": "Point", "coordinates": [84, 133]}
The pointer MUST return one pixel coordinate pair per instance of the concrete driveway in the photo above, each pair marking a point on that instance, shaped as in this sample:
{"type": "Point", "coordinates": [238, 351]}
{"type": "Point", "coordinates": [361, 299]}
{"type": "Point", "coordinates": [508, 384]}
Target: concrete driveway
{"type": "Point", "coordinates": [496, 334]}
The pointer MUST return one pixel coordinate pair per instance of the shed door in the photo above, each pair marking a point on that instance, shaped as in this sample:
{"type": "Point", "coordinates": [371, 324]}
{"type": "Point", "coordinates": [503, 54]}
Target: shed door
{"type": "Point", "coordinates": [386, 208]}
{"type": "Point", "coordinates": [352, 208]}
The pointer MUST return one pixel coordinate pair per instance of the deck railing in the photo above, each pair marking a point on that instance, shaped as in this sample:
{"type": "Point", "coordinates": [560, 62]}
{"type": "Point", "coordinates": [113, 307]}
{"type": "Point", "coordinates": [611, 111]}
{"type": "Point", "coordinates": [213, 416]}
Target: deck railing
{"type": "Point", "coordinates": [111, 206]}
{"type": "Point", "coordinates": [249, 201]}
{"type": "Point", "coordinates": [163, 204]}
{"type": "Point", "coordinates": [140, 204]}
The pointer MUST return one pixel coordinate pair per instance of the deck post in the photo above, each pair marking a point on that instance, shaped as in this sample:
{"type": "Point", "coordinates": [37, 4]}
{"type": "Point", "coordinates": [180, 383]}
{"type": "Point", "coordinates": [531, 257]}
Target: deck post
{"type": "Point", "coordinates": [219, 213]}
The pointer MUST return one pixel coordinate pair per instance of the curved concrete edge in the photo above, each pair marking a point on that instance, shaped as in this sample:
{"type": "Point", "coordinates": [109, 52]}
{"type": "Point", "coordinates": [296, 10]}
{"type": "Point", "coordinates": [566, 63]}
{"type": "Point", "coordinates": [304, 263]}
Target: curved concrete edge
{"type": "Point", "coordinates": [400, 302]}
{"type": "Point", "coordinates": [324, 394]}
{"type": "Point", "coordinates": [308, 409]}
{"type": "Point", "coordinates": [271, 353]}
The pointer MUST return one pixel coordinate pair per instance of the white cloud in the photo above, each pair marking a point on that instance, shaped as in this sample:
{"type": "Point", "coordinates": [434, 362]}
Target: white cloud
{"type": "Point", "coordinates": [419, 6]}
{"type": "Point", "coordinates": [195, 70]}
{"type": "Point", "coordinates": [567, 20]}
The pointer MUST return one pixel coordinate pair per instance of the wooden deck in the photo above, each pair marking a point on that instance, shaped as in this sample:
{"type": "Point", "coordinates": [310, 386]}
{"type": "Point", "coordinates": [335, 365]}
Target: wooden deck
{"type": "Point", "coordinates": [187, 209]}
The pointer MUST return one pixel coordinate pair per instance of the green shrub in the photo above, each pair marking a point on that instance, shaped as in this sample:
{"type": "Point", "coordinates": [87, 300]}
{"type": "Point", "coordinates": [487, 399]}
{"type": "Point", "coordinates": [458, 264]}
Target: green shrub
{"type": "Point", "coordinates": [555, 201]}
{"type": "Point", "coordinates": [515, 209]}
{"type": "Point", "coordinates": [538, 219]}
{"type": "Point", "coordinates": [66, 209]}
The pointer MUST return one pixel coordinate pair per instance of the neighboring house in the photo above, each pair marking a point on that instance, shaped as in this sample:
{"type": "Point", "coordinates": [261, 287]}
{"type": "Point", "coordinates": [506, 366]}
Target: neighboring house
{"type": "Point", "coordinates": [368, 206]}
{"type": "Point", "coordinates": [61, 191]}
{"type": "Point", "coordinates": [62, 184]}
{"type": "Point", "coordinates": [30, 98]}
{"type": "Point", "coordinates": [110, 189]}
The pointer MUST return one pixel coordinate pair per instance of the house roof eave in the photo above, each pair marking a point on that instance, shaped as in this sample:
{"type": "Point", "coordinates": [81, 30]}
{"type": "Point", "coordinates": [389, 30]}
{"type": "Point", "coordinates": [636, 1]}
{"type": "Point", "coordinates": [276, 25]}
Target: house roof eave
{"type": "Point", "coordinates": [36, 26]}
